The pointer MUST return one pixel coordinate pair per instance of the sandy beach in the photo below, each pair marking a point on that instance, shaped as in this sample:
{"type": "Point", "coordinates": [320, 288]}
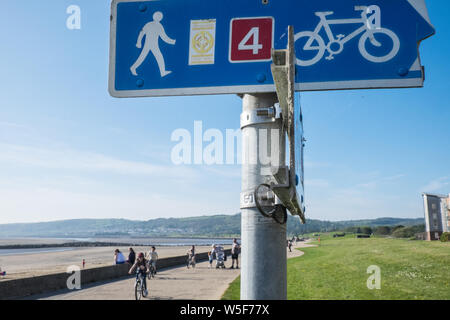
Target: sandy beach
{"type": "Point", "coordinates": [35, 264]}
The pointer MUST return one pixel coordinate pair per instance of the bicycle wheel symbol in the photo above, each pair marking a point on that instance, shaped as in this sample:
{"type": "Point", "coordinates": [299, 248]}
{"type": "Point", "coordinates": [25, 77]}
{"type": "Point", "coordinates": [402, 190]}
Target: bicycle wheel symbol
{"type": "Point", "coordinates": [311, 36]}
{"type": "Point", "coordinates": [316, 43]}
{"type": "Point", "coordinates": [370, 35]}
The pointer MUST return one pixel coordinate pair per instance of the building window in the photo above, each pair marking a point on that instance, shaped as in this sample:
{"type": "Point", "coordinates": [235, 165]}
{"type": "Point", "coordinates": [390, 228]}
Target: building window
{"type": "Point", "coordinates": [433, 206]}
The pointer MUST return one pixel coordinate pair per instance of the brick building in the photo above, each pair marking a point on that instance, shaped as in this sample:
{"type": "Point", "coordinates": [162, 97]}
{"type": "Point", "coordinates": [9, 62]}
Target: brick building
{"type": "Point", "coordinates": [437, 215]}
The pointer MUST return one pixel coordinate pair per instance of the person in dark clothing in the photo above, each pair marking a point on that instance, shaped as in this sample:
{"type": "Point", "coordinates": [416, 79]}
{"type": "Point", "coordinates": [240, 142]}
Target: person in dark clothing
{"type": "Point", "coordinates": [141, 267]}
{"type": "Point", "coordinates": [131, 257]}
{"type": "Point", "coordinates": [235, 251]}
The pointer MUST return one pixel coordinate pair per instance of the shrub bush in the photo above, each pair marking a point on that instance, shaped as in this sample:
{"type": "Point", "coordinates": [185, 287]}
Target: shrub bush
{"type": "Point", "coordinates": [336, 235]}
{"type": "Point", "coordinates": [397, 227]}
{"type": "Point", "coordinates": [445, 237]}
{"type": "Point", "coordinates": [366, 230]}
{"type": "Point", "coordinates": [408, 232]}
{"type": "Point", "coordinates": [383, 230]}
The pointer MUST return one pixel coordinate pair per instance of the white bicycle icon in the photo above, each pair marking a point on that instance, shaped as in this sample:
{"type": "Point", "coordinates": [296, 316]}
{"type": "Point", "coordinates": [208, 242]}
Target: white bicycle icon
{"type": "Point", "coordinates": [336, 45]}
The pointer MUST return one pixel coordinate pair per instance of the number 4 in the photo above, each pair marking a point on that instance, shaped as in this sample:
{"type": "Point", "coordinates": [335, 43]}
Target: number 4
{"type": "Point", "coordinates": [256, 46]}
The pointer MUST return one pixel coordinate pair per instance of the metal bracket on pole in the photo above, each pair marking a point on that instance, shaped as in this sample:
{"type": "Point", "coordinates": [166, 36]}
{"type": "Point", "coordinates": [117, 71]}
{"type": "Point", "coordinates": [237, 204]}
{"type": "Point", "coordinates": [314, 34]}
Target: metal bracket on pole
{"type": "Point", "coordinates": [283, 71]}
{"type": "Point", "coordinates": [261, 115]}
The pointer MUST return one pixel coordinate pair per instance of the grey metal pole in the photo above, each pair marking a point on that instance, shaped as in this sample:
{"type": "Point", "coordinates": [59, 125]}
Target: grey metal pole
{"type": "Point", "coordinates": [263, 254]}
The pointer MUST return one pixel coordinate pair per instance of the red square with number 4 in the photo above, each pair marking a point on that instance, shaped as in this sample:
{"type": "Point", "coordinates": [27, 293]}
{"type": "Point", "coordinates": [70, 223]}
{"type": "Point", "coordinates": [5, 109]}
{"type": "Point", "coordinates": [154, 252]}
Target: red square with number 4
{"type": "Point", "coordinates": [251, 39]}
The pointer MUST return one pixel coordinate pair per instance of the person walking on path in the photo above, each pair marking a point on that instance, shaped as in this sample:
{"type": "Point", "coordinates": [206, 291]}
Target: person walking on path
{"type": "Point", "coordinates": [191, 257]}
{"type": "Point", "coordinates": [235, 250]}
{"type": "Point", "coordinates": [290, 245]}
{"type": "Point", "coordinates": [211, 255]}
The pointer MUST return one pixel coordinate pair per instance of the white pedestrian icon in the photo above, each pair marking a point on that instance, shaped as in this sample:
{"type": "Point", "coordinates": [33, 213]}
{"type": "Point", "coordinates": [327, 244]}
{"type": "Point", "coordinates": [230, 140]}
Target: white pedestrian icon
{"type": "Point", "coordinates": [152, 31]}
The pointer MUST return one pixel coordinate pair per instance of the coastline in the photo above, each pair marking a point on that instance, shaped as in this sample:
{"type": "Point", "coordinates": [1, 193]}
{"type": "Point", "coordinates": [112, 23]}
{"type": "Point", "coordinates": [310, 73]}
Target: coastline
{"type": "Point", "coordinates": [31, 242]}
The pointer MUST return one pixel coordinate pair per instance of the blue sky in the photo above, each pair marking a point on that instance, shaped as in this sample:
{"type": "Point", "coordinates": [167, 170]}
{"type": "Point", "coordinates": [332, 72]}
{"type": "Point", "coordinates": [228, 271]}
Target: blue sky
{"type": "Point", "coordinates": [69, 150]}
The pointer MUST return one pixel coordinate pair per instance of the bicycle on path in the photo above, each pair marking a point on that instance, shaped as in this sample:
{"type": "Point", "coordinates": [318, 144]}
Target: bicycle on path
{"type": "Point", "coordinates": [140, 287]}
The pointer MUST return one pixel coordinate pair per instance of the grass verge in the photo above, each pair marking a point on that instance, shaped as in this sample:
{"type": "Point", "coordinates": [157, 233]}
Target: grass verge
{"type": "Point", "coordinates": [337, 269]}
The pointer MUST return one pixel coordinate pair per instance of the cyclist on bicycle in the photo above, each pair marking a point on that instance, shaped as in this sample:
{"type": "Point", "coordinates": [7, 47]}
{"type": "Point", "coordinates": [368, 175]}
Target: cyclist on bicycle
{"type": "Point", "coordinates": [153, 257]}
{"type": "Point", "coordinates": [141, 267]}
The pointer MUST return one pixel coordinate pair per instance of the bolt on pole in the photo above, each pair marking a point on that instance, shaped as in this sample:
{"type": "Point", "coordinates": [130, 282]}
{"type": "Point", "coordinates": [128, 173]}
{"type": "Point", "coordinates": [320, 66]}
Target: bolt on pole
{"type": "Point", "coordinates": [264, 265]}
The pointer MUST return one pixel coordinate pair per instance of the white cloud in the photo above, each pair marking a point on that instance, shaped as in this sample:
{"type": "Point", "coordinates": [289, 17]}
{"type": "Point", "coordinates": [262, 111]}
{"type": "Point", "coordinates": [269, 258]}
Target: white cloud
{"type": "Point", "coordinates": [313, 164]}
{"type": "Point", "coordinates": [359, 200]}
{"type": "Point", "coordinates": [316, 183]}
{"type": "Point", "coordinates": [377, 182]}
{"type": "Point", "coordinates": [437, 185]}
{"type": "Point", "coordinates": [70, 159]}
{"type": "Point", "coordinates": [11, 125]}
{"type": "Point", "coordinates": [42, 184]}
{"type": "Point", "coordinates": [354, 203]}
{"type": "Point", "coordinates": [44, 204]}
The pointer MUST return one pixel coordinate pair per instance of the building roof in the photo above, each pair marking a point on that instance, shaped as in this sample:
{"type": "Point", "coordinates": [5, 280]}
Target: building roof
{"type": "Point", "coordinates": [436, 195]}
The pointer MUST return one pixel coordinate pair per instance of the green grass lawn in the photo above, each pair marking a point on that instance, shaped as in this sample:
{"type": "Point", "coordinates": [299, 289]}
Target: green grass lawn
{"type": "Point", "coordinates": [337, 269]}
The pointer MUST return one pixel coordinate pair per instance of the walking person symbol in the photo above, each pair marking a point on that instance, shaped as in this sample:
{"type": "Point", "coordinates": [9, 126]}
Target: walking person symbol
{"type": "Point", "coordinates": [152, 31]}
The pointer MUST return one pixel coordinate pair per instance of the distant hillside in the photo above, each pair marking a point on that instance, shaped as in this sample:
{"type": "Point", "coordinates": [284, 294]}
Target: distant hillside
{"type": "Point", "coordinates": [205, 226]}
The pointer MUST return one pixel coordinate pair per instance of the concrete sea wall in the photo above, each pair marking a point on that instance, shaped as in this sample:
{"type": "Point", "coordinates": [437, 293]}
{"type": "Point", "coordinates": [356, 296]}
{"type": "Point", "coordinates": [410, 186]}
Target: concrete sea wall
{"type": "Point", "coordinates": [20, 288]}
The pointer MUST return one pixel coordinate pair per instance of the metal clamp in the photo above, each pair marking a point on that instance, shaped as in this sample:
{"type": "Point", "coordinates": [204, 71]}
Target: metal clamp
{"type": "Point", "coordinates": [248, 200]}
{"type": "Point", "coordinates": [260, 115]}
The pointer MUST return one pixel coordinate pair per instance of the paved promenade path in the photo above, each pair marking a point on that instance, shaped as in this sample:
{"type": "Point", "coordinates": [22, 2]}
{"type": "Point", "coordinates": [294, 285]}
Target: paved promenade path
{"type": "Point", "coordinates": [200, 283]}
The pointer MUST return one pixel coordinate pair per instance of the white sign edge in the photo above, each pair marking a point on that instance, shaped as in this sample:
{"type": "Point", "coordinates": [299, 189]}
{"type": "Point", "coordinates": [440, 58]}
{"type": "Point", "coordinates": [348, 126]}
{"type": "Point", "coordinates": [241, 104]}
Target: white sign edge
{"type": "Point", "coordinates": [308, 86]}
{"type": "Point", "coordinates": [421, 8]}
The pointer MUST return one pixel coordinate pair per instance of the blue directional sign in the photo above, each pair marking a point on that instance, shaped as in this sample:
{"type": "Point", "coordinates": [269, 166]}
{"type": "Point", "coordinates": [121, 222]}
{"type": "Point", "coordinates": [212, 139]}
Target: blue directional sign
{"type": "Point", "coordinates": [179, 47]}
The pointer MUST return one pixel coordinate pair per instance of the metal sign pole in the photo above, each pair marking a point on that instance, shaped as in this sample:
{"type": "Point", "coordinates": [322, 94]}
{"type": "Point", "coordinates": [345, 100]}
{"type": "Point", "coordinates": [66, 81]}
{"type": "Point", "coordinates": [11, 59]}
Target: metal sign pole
{"type": "Point", "coordinates": [263, 274]}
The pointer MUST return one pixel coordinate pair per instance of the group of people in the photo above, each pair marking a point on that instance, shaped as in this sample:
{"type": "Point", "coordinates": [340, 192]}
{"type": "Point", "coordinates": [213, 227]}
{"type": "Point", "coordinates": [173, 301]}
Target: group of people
{"type": "Point", "coordinates": [217, 251]}
{"type": "Point", "coordinates": [119, 258]}
{"type": "Point", "coordinates": [141, 263]}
